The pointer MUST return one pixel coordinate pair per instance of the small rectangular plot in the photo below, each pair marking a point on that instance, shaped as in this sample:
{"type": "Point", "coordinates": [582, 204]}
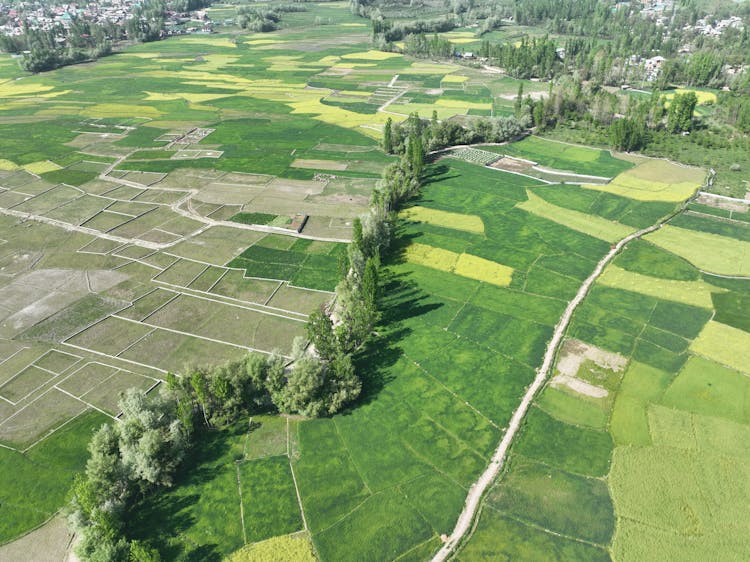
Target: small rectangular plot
{"type": "Point", "coordinates": [207, 279]}
{"type": "Point", "coordinates": [147, 304]}
{"type": "Point", "coordinates": [269, 498]}
{"type": "Point", "coordinates": [235, 285]}
{"type": "Point", "coordinates": [107, 394]}
{"type": "Point", "coordinates": [79, 210]}
{"type": "Point", "coordinates": [49, 200]}
{"type": "Point", "coordinates": [111, 336]}
{"type": "Point", "coordinates": [100, 246]}
{"type": "Point", "coordinates": [105, 221]}
{"type": "Point", "coordinates": [181, 273]}
{"type": "Point", "coordinates": [86, 378]}
{"type": "Point", "coordinates": [25, 383]}
{"type": "Point", "coordinates": [49, 411]}
{"type": "Point", "coordinates": [57, 361]}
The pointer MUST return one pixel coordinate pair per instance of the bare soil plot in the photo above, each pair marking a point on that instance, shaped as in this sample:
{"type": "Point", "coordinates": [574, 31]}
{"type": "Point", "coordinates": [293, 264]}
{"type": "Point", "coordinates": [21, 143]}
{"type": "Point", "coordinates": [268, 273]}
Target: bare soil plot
{"type": "Point", "coordinates": [79, 210]}
{"type": "Point", "coordinates": [25, 383]}
{"type": "Point", "coordinates": [86, 377]}
{"type": "Point", "coordinates": [181, 273]}
{"type": "Point", "coordinates": [319, 164]}
{"type": "Point", "coordinates": [235, 285]}
{"type": "Point", "coordinates": [106, 394]}
{"type": "Point", "coordinates": [217, 245]}
{"type": "Point", "coordinates": [512, 164]}
{"type": "Point", "coordinates": [48, 543]}
{"type": "Point", "coordinates": [110, 336]}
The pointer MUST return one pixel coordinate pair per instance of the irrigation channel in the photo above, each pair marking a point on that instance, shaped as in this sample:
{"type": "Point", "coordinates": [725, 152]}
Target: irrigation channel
{"type": "Point", "coordinates": [477, 490]}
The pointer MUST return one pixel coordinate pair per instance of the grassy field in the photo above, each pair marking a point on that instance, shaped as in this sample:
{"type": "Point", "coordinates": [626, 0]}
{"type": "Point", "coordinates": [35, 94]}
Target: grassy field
{"type": "Point", "coordinates": [166, 261]}
{"type": "Point", "coordinates": [649, 466]}
{"type": "Point", "coordinates": [565, 157]}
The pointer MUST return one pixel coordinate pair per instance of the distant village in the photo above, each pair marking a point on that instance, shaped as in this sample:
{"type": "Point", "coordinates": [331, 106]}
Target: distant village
{"type": "Point", "coordinates": [14, 19]}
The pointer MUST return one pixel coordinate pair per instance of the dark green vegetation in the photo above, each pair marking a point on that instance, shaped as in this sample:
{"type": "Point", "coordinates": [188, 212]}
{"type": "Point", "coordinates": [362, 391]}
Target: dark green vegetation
{"type": "Point", "coordinates": [199, 517]}
{"type": "Point", "coordinates": [317, 267]}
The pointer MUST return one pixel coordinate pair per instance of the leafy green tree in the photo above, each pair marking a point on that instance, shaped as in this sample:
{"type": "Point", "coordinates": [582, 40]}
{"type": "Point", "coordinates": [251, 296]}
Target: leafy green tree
{"type": "Point", "coordinates": [680, 115]}
{"type": "Point", "coordinates": [320, 331]}
{"type": "Point", "coordinates": [388, 136]}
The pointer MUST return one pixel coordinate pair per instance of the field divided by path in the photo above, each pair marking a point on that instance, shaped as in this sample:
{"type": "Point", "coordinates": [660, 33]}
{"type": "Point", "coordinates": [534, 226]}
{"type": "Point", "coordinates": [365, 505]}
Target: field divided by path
{"type": "Point", "coordinates": [646, 403]}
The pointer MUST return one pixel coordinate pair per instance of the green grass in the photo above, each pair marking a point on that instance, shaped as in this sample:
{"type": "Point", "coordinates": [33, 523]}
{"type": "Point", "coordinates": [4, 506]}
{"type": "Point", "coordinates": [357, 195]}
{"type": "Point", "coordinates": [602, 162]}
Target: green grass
{"type": "Point", "coordinates": [574, 408]}
{"type": "Point", "coordinates": [200, 515]}
{"type": "Point", "coordinates": [645, 258]}
{"type": "Point", "coordinates": [500, 537]}
{"type": "Point", "coordinates": [384, 527]}
{"type": "Point", "coordinates": [564, 503]}
{"type": "Point", "coordinates": [269, 498]}
{"type": "Point", "coordinates": [730, 309]}
{"type": "Point", "coordinates": [565, 157]}
{"type": "Point", "coordinates": [738, 230]}
{"type": "Point", "coordinates": [578, 450]}
{"type": "Point", "coordinates": [688, 514]}
{"type": "Point", "coordinates": [640, 386]}
{"type": "Point", "coordinates": [35, 485]}
{"type": "Point", "coordinates": [291, 262]}
{"type": "Point", "coordinates": [252, 218]}
{"type": "Point", "coordinates": [705, 387]}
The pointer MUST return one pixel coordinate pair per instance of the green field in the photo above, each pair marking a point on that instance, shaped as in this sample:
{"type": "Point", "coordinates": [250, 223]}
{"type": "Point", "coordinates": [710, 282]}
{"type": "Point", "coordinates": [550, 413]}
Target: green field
{"type": "Point", "coordinates": [658, 459]}
{"type": "Point", "coordinates": [565, 157]}
{"type": "Point", "coordinates": [174, 257]}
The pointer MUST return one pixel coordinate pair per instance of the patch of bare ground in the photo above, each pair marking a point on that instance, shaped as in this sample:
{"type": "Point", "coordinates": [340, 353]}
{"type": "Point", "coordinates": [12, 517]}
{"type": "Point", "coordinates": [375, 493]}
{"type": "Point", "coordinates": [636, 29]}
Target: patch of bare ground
{"type": "Point", "coordinates": [719, 203]}
{"type": "Point", "coordinates": [579, 386]}
{"type": "Point", "coordinates": [512, 164]}
{"type": "Point", "coordinates": [48, 543]}
{"type": "Point", "coordinates": [575, 352]}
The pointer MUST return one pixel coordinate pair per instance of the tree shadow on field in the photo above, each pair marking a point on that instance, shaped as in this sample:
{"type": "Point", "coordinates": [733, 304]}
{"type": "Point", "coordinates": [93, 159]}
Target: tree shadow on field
{"type": "Point", "coordinates": [436, 173]}
{"type": "Point", "coordinates": [401, 299]}
{"type": "Point", "coordinates": [163, 517]}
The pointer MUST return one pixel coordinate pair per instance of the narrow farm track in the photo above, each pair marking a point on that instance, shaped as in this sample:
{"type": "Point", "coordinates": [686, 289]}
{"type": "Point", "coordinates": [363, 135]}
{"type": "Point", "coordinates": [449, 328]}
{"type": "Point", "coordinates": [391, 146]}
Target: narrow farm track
{"type": "Point", "coordinates": [477, 490]}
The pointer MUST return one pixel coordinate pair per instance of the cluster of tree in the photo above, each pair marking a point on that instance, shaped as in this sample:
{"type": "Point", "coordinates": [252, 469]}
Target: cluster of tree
{"type": "Point", "coordinates": [127, 460]}
{"type": "Point", "coordinates": [734, 107]}
{"type": "Point", "coordinates": [44, 50]}
{"type": "Point", "coordinates": [680, 114]}
{"type": "Point", "coordinates": [531, 58]}
{"type": "Point", "coordinates": [308, 384]}
{"type": "Point", "coordinates": [420, 45]}
{"type": "Point", "coordinates": [264, 19]}
{"type": "Point", "coordinates": [416, 134]}
{"type": "Point", "coordinates": [629, 122]}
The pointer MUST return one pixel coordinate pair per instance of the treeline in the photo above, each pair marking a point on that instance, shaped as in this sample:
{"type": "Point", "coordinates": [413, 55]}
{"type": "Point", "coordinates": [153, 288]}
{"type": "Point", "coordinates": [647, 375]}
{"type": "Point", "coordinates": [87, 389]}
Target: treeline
{"type": "Point", "coordinates": [531, 58]}
{"type": "Point", "coordinates": [435, 135]}
{"type": "Point", "coordinates": [139, 454]}
{"type": "Point", "coordinates": [263, 20]}
{"type": "Point", "coordinates": [421, 45]}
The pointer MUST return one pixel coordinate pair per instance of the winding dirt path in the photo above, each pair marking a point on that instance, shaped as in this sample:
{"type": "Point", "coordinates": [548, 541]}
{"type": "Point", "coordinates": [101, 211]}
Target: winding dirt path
{"type": "Point", "coordinates": [477, 490]}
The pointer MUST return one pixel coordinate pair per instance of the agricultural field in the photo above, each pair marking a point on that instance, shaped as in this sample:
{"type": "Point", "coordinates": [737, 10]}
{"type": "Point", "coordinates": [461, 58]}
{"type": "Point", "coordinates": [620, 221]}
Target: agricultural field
{"type": "Point", "coordinates": [647, 403]}
{"type": "Point", "coordinates": [189, 202]}
{"type": "Point", "coordinates": [186, 203]}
